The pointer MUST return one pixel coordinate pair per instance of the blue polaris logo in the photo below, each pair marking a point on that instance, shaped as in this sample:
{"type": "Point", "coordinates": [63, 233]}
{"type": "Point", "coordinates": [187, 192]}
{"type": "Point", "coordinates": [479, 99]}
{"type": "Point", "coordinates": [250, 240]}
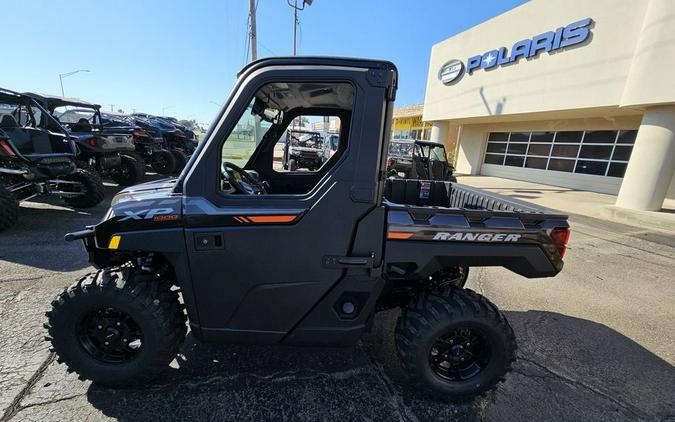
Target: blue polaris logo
{"type": "Point", "coordinates": [572, 34]}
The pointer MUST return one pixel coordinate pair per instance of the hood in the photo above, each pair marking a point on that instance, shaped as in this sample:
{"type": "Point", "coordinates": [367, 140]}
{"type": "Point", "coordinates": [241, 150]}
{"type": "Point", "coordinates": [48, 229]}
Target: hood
{"type": "Point", "coordinates": [151, 191]}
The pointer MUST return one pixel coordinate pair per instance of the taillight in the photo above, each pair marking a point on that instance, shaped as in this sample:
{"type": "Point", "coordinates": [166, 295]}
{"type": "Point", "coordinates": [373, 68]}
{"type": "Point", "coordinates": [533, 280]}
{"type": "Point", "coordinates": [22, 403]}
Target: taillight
{"type": "Point", "coordinates": [93, 142]}
{"type": "Point", "coordinates": [560, 236]}
{"type": "Point", "coordinates": [390, 162]}
{"type": "Point", "coordinates": [6, 148]}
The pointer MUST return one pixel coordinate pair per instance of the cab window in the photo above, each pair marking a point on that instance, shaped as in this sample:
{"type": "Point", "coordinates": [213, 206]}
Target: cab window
{"type": "Point", "coordinates": [289, 136]}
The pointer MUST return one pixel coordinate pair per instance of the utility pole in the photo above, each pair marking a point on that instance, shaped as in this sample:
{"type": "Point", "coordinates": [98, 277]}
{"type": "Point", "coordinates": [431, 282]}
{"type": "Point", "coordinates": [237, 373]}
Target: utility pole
{"type": "Point", "coordinates": [252, 32]}
{"type": "Point", "coordinates": [295, 7]}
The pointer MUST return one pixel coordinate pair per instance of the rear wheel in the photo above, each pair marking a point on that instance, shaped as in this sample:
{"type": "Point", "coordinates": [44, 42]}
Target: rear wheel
{"type": "Point", "coordinates": [457, 346]}
{"type": "Point", "coordinates": [90, 187]}
{"type": "Point", "coordinates": [181, 160]}
{"type": "Point", "coordinates": [163, 162]}
{"type": "Point", "coordinates": [115, 328]}
{"type": "Point", "coordinates": [131, 171]}
{"type": "Point", "coordinates": [9, 208]}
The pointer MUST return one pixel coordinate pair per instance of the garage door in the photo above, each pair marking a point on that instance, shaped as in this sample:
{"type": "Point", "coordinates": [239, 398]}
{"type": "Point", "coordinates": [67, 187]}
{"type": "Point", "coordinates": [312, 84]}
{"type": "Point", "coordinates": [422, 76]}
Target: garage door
{"type": "Point", "coordinates": [589, 160]}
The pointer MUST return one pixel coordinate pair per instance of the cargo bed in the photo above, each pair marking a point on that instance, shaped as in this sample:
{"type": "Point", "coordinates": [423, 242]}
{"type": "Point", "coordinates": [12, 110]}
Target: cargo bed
{"type": "Point", "coordinates": [443, 224]}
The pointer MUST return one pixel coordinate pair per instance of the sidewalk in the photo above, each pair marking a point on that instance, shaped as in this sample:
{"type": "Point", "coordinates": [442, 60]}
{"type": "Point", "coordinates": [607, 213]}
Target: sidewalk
{"type": "Point", "coordinates": [573, 201]}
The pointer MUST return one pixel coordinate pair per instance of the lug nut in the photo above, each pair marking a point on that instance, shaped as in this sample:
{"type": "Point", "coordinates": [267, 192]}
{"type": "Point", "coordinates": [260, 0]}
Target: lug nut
{"type": "Point", "coordinates": [100, 327]}
{"type": "Point", "coordinates": [118, 324]}
{"type": "Point", "coordinates": [106, 343]}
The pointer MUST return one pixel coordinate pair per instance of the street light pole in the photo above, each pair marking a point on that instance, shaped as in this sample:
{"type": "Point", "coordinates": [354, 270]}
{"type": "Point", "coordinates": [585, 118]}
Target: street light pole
{"type": "Point", "coordinates": [65, 75]}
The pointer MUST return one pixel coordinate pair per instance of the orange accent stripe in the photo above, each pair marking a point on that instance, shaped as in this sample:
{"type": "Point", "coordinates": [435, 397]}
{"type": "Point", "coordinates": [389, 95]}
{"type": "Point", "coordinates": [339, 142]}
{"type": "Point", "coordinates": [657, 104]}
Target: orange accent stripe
{"type": "Point", "coordinates": [272, 218]}
{"type": "Point", "coordinates": [244, 219]}
{"type": "Point", "coordinates": [238, 219]}
{"type": "Point", "coordinates": [399, 235]}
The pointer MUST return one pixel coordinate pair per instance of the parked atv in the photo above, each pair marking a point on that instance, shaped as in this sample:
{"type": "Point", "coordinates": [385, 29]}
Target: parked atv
{"type": "Point", "coordinates": [109, 150]}
{"type": "Point", "coordinates": [303, 149]}
{"type": "Point", "coordinates": [422, 160]}
{"type": "Point", "coordinates": [148, 141]}
{"type": "Point", "coordinates": [37, 157]}
{"type": "Point", "coordinates": [302, 258]}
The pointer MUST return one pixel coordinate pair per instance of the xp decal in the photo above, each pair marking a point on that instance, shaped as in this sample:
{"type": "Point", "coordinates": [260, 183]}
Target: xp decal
{"type": "Point", "coordinates": [148, 214]}
{"type": "Point", "coordinates": [572, 34]}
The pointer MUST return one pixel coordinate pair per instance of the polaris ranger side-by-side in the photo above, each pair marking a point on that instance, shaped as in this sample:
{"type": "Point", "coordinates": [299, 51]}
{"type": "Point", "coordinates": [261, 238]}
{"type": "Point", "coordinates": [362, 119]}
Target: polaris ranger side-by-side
{"type": "Point", "coordinates": [303, 258]}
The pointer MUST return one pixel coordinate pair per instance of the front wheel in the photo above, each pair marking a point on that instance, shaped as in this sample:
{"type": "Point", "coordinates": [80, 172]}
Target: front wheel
{"type": "Point", "coordinates": [116, 330]}
{"type": "Point", "coordinates": [181, 160]}
{"type": "Point", "coordinates": [292, 165]}
{"type": "Point", "coordinates": [163, 162]}
{"type": "Point", "coordinates": [9, 208]}
{"type": "Point", "coordinates": [457, 346]}
{"type": "Point", "coordinates": [88, 185]}
{"type": "Point", "coordinates": [130, 172]}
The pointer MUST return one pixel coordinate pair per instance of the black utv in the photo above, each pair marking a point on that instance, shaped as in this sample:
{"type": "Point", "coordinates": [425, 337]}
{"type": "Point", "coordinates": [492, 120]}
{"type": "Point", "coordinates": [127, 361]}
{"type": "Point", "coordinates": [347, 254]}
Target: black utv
{"type": "Point", "coordinates": [302, 149]}
{"type": "Point", "coordinates": [109, 150]}
{"type": "Point", "coordinates": [302, 258]}
{"type": "Point", "coordinates": [37, 157]}
{"type": "Point", "coordinates": [177, 141]}
{"type": "Point", "coordinates": [422, 160]}
{"type": "Point", "coordinates": [149, 142]}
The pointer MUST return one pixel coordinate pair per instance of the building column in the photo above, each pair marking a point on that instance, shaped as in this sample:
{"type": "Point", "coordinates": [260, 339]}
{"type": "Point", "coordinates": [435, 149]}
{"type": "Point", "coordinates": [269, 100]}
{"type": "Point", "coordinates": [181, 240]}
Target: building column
{"type": "Point", "coordinates": [439, 132]}
{"type": "Point", "coordinates": [652, 162]}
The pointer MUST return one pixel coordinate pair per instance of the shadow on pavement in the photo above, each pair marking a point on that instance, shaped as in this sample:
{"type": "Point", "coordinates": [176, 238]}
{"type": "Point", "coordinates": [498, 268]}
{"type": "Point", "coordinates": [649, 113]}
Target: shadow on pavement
{"type": "Point", "coordinates": [243, 382]}
{"type": "Point", "coordinates": [37, 238]}
{"type": "Point", "coordinates": [568, 369]}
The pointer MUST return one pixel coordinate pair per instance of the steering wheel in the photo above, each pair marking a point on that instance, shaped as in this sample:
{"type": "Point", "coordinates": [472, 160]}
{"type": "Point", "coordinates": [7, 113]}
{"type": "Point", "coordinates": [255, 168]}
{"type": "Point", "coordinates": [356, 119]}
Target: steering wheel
{"type": "Point", "coordinates": [240, 180]}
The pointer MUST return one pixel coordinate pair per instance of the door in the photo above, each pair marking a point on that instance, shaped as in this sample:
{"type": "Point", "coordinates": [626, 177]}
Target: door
{"type": "Point", "coordinates": [261, 262]}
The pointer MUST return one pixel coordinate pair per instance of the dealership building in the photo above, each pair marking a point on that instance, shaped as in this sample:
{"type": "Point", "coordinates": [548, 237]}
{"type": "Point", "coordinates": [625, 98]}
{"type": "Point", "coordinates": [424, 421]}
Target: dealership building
{"type": "Point", "coordinates": [570, 93]}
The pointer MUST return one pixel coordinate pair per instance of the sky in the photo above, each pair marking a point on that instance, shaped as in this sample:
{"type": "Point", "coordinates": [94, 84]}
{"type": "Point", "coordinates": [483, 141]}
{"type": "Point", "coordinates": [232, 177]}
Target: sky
{"type": "Point", "coordinates": [180, 57]}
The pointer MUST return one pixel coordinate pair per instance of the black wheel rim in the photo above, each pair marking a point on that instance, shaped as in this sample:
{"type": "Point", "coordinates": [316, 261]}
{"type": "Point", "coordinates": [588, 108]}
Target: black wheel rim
{"type": "Point", "coordinates": [110, 335]}
{"type": "Point", "coordinates": [460, 354]}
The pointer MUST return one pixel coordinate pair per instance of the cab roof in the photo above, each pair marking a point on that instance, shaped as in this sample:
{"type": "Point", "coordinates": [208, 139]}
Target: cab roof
{"type": "Point", "coordinates": [52, 101]}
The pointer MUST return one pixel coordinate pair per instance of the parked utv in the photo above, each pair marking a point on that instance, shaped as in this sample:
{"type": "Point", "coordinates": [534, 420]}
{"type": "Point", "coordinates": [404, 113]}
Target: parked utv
{"type": "Point", "coordinates": [176, 140]}
{"type": "Point", "coordinates": [303, 149]}
{"type": "Point", "coordinates": [148, 142]}
{"type": "Point", "coordinates": [109, 150]}
{"type": "Point", "coordinates": [303, 258]}
{"type": "Point", "coordinates": [421, 160]}
{"type": "Point", "coordinates": [37, 157]}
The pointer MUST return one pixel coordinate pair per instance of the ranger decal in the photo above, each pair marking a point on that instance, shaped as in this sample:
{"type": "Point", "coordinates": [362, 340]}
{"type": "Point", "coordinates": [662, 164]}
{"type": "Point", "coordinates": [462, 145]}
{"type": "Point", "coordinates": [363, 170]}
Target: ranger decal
{"type": "Point", "coordinates": [478, 237]}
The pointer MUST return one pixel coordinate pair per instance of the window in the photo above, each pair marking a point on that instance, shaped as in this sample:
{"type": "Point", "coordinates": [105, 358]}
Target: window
{"type": "Point", "coordinates": [245, 137]}
{"type": "Point", "coordinates": [302, 149]}
{"type": "Point", "coordinates": [287, 138]}
{"type": "Point", "coordinates": [597, 152]}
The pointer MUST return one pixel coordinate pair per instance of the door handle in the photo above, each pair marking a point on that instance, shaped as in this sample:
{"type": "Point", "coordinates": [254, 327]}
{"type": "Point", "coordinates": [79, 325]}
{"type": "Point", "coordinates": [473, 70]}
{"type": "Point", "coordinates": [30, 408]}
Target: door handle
{"type": "Point", "coordinates": [334, 261]}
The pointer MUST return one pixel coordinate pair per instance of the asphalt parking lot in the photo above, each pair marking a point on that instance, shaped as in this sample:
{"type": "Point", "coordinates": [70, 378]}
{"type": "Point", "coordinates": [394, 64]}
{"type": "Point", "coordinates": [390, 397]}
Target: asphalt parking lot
{"type": "Point", "coordinates": [596, 343]}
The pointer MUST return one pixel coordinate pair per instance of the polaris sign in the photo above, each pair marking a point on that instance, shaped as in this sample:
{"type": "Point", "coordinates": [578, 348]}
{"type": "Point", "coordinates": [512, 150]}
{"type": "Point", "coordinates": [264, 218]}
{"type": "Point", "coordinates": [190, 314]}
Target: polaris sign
{"type": "Point", "coordinates": [572, 34]}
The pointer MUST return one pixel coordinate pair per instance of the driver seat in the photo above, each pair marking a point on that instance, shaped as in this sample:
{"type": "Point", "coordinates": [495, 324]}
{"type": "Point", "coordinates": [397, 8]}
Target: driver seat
{"type": "Point", "coordinates": [82, 125]}
{"type": "Point", "coordinates": [17, 135]}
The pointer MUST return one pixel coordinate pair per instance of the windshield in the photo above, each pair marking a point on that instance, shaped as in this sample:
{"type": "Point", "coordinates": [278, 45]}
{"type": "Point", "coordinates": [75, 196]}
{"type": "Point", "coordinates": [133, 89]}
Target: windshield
{"type": "Point", "coordinates": [245, 137]}
{"type": "Point", "coordinates": [74, 116]}
{"type": "Point", "coordinates": [400, 149]}
{"type": "Point", "coordinates": [306, 140]}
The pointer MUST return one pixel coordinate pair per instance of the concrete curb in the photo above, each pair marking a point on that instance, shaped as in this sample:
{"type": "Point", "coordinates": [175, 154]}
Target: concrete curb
{"type": "Point", "coordinates": [646, 219]}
